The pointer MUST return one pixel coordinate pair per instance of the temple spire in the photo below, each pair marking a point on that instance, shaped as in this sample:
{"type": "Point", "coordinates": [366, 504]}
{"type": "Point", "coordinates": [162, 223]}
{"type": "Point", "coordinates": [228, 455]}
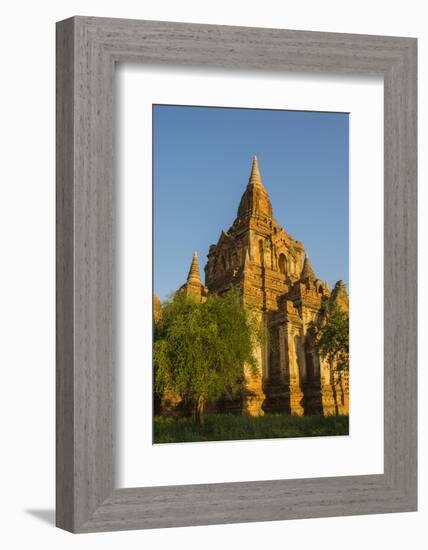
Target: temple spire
{"type": "Point", "coordinates": [255, 178]}
{"type": "Point", "coordinates": [194, 274]}
{"type": "Point", "coordinates": [307, 272]}
{"type": "Point", "coordinates": [339, 296]}
{"type": "Point", "coordinates": [255, 200]}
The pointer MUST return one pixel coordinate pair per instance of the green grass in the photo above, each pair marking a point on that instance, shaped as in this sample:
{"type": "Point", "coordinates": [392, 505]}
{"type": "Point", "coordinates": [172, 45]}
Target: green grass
{"type": "Point", "coordinates": [222, 427]}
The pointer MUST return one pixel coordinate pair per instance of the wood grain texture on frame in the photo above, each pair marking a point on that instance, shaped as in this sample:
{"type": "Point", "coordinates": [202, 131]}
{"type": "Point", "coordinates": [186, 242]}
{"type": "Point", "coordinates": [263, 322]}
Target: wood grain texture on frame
{"type": "Point", "coordinates": [87, 50]}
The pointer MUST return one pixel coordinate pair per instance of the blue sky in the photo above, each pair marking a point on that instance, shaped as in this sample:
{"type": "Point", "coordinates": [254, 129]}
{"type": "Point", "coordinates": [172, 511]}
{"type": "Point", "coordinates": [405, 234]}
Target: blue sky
{"type": "Point", "coordinates": [202, 160]}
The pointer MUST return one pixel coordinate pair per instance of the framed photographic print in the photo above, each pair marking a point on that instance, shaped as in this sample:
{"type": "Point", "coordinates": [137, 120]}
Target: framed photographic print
{"type": "Point", "coordinates": [236, 274]}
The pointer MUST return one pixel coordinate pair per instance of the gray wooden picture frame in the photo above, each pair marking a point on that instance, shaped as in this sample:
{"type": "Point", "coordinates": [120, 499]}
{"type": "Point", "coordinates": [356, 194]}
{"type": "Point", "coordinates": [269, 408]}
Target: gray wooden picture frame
{"type": "Point", "coordinates": [87, 50]}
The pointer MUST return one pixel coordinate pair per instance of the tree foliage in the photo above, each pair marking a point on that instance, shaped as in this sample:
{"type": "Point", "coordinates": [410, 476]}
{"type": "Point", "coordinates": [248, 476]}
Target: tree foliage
{"type": "Point", "coordinates": [200, 348]}
{"type": "Point", "coordinates": [332, 338]}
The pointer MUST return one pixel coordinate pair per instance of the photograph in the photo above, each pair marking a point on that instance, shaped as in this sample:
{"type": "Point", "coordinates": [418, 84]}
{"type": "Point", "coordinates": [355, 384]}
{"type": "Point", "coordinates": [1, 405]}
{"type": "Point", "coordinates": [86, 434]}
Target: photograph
{"type": "Point", "coordinates": [251, 298]}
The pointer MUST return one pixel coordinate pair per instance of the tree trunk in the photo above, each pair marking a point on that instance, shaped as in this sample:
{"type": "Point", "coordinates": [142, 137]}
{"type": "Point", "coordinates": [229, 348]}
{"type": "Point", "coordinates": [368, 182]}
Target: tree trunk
{"type": "Point", "coordinates": [199, 410]}
{"type": "Point", "coordinates": [333, 387]}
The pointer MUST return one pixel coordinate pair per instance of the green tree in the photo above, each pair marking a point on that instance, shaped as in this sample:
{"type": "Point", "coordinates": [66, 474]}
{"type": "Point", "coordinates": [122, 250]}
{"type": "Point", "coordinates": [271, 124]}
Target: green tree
{"type": "Point", "coordinates": [332, 338]}
{"type": "Point", "coordinates": [200, 348]}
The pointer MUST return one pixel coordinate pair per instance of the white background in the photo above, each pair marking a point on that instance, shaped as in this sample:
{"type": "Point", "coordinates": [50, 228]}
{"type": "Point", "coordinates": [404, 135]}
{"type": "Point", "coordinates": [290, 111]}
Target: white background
{"type": "Point", "coordinates": [361, 452]}
{"type": "Point", "coordinates": [27, 273]}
